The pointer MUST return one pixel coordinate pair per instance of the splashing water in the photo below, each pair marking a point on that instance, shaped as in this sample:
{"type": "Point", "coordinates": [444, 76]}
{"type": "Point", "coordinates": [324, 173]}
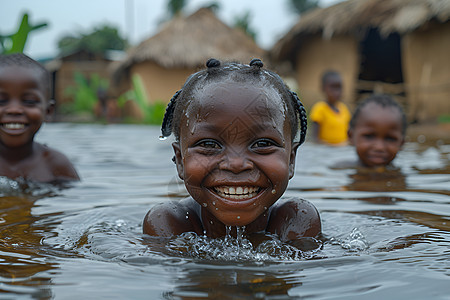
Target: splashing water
{"type": "Point", "coordinates": [240, 248]}
{"type": "Point", "coordinates": [354, 242]}
{"type": "Point", "coordinates": [22, 187]}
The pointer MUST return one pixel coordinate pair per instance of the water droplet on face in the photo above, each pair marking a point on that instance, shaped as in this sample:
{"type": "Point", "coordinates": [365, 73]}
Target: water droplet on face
{"type": "Point", "coordinates": [265, 207]}
{"type": "Point", "coordinates": [214, 203]}
{"type": "Point", "coordinates": [238, 217]}
{"type": "Point", "coordinates": [204, 204]}
{"type": "Point", "coordinates": [211, 222]}
{"type": "Point", "coordinates": [217, 208]}
{"type": "Point", "coordinates": [274, 191]}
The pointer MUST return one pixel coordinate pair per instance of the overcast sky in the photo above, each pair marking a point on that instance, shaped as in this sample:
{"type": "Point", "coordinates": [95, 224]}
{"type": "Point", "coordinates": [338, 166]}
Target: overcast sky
{"type": "Point", "coordinates": [136, 19]}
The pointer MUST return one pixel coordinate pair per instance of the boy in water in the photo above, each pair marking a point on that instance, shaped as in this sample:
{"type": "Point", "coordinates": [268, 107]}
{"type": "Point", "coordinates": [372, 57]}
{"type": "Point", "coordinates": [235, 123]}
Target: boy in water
{"type": "Point", "coordinates": [24, 105]}
{"type": "Point", "coordinates": [377, 130]}
{"type": "Point", "coordinates": [330, 118]}
{"type": "Point", "coordinates": [237, 130]}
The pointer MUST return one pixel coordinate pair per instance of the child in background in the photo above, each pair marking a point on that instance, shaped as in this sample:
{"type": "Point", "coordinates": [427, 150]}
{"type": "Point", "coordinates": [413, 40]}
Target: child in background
{"type": "Point", "coordinates": [377, 130]}
{"type": "Point", "coordinates": [24, 104]}
{"type": "Point", "coordinates": [237, 130]}
{"type": "Point", "coordinates": [330, 118]}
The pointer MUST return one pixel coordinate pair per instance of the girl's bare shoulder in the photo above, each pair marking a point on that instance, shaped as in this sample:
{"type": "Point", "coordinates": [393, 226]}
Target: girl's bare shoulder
{"type": "Point", "coordinates": [293, 218]}
{"type": "Point", "coordinates": [172, 218]}
{"type": "Point", "coordinates": [61, 167]}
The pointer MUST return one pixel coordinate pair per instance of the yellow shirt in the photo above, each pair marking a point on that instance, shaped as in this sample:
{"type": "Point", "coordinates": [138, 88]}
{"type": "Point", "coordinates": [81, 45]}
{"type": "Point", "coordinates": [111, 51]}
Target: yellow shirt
{"type": "Point", "coordinates": [333, 125]}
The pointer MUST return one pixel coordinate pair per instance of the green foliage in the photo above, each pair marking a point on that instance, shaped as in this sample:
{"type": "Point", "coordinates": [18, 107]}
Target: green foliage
{"type": "Point", "coordinates": [444, 119]}
{"type": "Point", "coordinates": [243, 22]}
{"type": "Point", "coordinates": [84, 93]}
{"type": "Point", "coordinates": [15, 43]}
{"type": "Point", "coordinates": [153, 113]}
{"type": "Point", "coordinates": [101, 39]}
{"type": "Point", "coordinates": [302, 6]}
{"type": "Point", "coordinates": [174, 7]}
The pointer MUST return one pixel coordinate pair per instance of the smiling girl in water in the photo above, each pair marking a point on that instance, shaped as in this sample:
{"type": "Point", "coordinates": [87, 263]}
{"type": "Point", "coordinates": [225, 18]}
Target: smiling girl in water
{"type": "Point", "coordinates": [237, 130]}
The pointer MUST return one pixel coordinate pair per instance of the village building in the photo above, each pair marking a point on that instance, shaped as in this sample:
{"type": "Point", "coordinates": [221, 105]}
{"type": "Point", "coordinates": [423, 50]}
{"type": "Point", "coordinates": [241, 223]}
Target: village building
{"type": "Point", "coordinates": [399, 47]}
{"type": "Point", "coordinates": [81, 61]}
{"type": "Point", "coordinates": [182, 46]}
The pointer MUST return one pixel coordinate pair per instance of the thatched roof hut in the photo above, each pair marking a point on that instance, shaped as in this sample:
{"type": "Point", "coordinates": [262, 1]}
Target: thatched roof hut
{"type": "Point", "coordinates": [396, 46]}
{"type": "Point", "coordinates": [183, 45]}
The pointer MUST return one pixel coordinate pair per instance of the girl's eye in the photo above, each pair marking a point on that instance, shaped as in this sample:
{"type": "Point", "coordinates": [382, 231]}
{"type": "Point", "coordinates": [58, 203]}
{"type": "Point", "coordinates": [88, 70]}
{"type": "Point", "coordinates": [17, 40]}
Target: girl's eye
{"type": "Point", "coordinates": [3, 99]}
{"type": "Point", "coordinates": [391, 138]}
{"type": "Point", "coordinates": [209, 144]}
{"type": "Point", "coordinates": [30, 101]}
{"type": "Point", "coordinates": [263, 144]}
{"type": "Point", "coordinates": [369, 135]}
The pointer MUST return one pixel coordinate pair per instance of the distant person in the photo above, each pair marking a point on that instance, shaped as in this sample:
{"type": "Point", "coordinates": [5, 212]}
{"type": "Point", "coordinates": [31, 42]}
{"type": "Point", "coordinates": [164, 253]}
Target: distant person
{"type": "Point", "coordinates": [377, 131]}
{"type": "Point", "coordinates": [237, 129]}
{"type": "Point", "coordinates": [330, 118]}
{"type": "Point", "coordinates": [24, 105]}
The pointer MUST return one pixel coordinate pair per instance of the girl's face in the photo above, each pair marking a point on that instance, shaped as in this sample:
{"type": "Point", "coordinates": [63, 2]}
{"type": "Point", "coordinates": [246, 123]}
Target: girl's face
{"type": "Point", "coordinates": [235, 153]}
{"type": "Point", "coordinates": [377, 135]}
{"type": "Point", "coordinates": [22, 105]}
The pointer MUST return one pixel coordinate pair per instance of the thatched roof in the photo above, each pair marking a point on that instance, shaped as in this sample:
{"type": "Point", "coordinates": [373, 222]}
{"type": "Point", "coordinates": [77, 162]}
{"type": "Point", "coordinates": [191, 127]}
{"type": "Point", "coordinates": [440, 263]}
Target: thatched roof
{"type": "Point", "coordinates": [190, 41]}
{"type": "Point", "coordinates": [356, 16]}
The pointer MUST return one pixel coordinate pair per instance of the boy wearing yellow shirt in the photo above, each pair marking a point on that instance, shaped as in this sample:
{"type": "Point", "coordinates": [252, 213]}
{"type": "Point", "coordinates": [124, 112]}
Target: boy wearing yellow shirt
{"type": "Point", "coordinates": [330, 118]}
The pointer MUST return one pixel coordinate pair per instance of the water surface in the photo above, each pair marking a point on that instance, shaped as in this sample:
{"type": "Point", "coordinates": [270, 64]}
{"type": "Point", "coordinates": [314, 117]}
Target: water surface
{"type": "Point", "coordinates": [385, 235]}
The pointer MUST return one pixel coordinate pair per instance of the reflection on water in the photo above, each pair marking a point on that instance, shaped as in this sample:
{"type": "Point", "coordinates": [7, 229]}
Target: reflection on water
{"type": "Point", "coordinates": [23, 260]}
{"type": "Point", "coordinates": [383, 233]}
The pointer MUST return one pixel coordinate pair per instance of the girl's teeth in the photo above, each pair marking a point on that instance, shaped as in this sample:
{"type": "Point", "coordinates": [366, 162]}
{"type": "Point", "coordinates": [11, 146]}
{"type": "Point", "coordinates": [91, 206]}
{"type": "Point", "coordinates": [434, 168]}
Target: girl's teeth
{"type": "Point", "coordinates": [240, 192]}
{"type": "Point", "coordinates": [13, 126]}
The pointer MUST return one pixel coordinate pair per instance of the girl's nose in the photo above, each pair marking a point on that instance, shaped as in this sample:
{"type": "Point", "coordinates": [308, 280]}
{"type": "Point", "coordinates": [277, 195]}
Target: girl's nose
{"type": "Point", "coordinates": [235, 162]}
{"type": "Point", "coordinates": [14, 108]}
{"type": "Point", "coordinates": [378, 144]}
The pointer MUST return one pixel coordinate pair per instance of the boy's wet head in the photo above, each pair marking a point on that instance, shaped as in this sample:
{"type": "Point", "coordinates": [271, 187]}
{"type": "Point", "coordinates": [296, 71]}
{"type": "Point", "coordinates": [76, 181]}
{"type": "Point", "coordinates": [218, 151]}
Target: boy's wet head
{"type": "Point", "coordinates": [251, 75]}
{"type": "Point", "coordinates": [24, 101]}
{"type": "Point", "coordinates": [332, 86]}
{"type": "Point", "coordinates": [20, 60]}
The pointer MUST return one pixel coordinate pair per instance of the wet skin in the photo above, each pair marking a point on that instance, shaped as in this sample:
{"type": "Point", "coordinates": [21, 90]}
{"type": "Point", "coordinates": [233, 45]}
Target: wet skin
{"type": "Point", "coordinates": [236, 157]}
{"type": "Point", "coordinates": [377, 135]}
{"type": "Point", "coordinates": [23, 108]}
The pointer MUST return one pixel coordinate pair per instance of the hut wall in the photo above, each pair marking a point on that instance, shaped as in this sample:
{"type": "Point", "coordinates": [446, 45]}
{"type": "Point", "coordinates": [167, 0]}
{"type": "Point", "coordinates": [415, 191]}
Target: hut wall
{"type": "Point", "coordinates": [340, 53]}
{"type": "Point", "coordinates": [65, 76]}
{"type": "Point", "coordinates": [426, 69]}
{"type": "Point", "coordinates": [160, 83]}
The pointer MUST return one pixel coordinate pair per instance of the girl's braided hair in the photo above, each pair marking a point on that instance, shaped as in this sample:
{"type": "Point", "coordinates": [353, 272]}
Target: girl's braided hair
{"type": "Point", "coordinates": [215, 71]}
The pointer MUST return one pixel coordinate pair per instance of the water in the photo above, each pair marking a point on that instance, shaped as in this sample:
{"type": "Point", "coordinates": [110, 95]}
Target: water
{"type": "Point", "coordinates": [385, 235]}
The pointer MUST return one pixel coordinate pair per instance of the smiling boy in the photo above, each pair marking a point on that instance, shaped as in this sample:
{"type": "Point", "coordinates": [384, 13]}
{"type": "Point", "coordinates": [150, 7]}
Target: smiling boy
{"type": "Point", "coordinates": [24, 105]}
